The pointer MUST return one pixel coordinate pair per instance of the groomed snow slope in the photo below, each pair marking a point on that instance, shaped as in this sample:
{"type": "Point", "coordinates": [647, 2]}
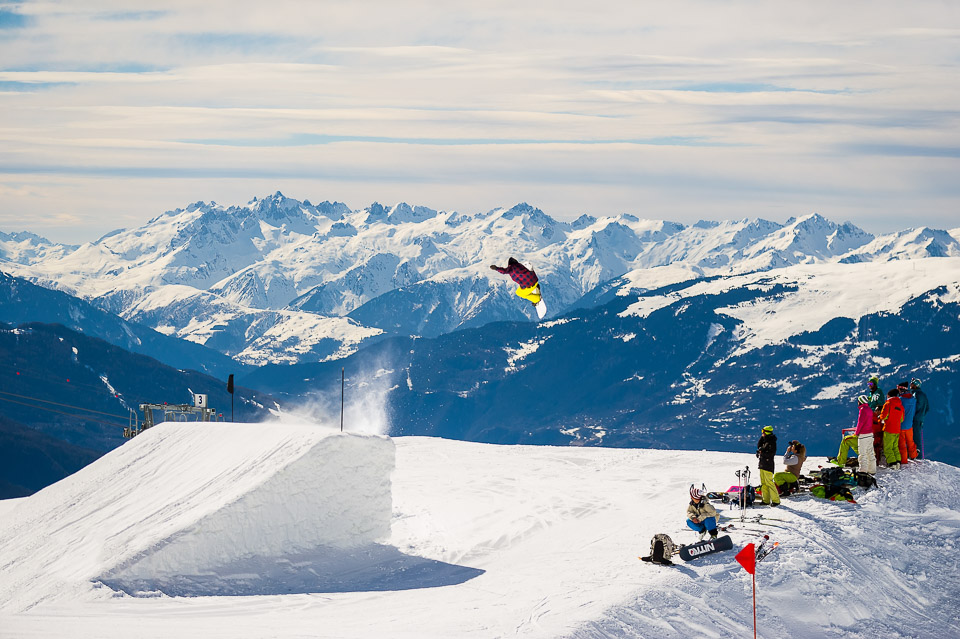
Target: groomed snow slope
{"type": "Point", "coordinates": [532, 542]}
{"type": "Point", "coordinates": [188, 499]}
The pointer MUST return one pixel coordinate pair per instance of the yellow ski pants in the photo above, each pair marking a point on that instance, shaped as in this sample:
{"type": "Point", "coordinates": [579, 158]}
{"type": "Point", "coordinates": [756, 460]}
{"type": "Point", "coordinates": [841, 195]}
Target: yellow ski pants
{"type": "Point", "coordinates": [531, 293]}
{"type": "Point", "coordinates": [768, 488]}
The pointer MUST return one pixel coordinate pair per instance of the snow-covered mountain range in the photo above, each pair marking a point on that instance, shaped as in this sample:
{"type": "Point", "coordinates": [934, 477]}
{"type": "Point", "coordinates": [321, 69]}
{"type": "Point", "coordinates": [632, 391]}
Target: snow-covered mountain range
{"type": "Point", "coordinates": [285, 281]}
{"type": "Point", "coordinates": [657, 326]}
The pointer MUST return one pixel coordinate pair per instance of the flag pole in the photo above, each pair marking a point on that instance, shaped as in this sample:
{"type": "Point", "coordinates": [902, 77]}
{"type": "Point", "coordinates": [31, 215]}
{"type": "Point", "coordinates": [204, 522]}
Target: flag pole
{"type": "Point", "coordinates": [754, 605]}
{"type": "Point", "coordinates": [341, 399]}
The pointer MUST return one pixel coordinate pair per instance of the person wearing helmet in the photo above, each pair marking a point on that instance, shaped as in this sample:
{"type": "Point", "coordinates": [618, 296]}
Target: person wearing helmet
{"type": "Point", "coordinates": [864, 433]}
{"type": "Point", "coordinates": [908, 446]}
{"type": "Point", "coordinates": [701, 515]}
{"type": "Point", "coordinates": [923, 407]}
{"type": "Point", "coordinates": [892, 416]}
{"type": "Point", "coordinates": [766, 451]}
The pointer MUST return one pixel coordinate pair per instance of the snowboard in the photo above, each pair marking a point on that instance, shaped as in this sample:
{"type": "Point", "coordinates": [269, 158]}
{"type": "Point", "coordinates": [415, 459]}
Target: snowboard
{"type": "Point", "coordinates": [709, 546]}
{"type": "Point", "coordinates": [541, 308]}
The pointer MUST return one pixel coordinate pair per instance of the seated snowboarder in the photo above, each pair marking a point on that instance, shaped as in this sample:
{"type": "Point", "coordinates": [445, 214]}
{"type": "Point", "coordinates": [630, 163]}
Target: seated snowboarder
{"type": "Point", "coordinates": [788, 481]}
{"type": "Point", "coordinates": [525, 279]}
{"type": "Point", "coordinates": [849, 442]}
{"type": "Point", "coordinates": [701, 515]}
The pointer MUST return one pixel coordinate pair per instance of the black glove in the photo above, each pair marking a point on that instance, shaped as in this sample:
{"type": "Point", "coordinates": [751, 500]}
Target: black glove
{"type": "Point", "coordinates": [493, 266]}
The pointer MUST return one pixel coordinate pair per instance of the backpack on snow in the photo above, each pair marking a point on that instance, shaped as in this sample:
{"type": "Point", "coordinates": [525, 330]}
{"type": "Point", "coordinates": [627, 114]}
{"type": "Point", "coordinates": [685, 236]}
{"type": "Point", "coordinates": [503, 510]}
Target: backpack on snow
{"type": "Point", "coordinates": [833, 493]}
{"type": "Point", "coordinates": [833, 476]}
{"type": "Point", "coordinates": [865, 480]}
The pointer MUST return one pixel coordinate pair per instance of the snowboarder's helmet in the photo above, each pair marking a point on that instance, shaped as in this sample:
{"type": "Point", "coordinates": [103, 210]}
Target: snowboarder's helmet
{"type": "Point", "coordinates": [768, 429]}
{"type": "Point", "coordinates": [863, 399]}
{"type": "Point", "coordinates": [695, 493]}
{"type": "Point", "coordinates": [914, 383]}
{"type": "Point", "coordinates": [874, 380]}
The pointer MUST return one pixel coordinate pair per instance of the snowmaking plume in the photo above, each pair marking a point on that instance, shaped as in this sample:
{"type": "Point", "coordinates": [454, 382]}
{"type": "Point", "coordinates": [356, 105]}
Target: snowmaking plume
{"type": "Point", "coordinates": [364, 407]}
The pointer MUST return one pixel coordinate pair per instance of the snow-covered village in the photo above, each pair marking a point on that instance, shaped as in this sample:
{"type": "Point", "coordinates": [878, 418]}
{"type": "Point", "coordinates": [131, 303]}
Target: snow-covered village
{"type": "Point", "coordinates": [481, 321]}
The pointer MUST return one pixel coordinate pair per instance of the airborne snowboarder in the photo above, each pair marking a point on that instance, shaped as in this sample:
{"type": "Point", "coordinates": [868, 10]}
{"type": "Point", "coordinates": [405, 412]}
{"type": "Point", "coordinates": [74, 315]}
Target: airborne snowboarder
{"type": "Point", "coordinates": [527, 281]}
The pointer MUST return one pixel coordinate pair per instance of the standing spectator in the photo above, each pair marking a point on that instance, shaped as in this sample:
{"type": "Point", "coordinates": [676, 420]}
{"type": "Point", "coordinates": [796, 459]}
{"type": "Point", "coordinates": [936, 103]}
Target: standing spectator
{"type": "Point", "coordinates": [864, 432]}
{"type": "Point", "coordinates": [766, 451]}
{"type": "Point", "coordinates": [875, 393]}
{"type": "Point", "coordinates": [892, 415]}
{"type": "Point", "coordinates": [923, 407]}
{"type": "Point", "coordinates": [908, 448]}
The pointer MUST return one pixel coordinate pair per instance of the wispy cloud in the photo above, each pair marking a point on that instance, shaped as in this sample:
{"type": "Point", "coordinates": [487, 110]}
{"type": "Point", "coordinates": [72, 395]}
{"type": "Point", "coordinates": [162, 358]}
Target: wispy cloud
{"type": "Point", "coordinates": [688, 110]}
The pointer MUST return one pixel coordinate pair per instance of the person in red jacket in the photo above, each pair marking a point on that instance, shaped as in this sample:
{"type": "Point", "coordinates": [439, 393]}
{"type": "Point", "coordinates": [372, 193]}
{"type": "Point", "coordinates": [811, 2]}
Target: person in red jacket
{"type": "Point", "coordinates": [892, 415]}
{"type": "Point", "coordinates": [525, 278]}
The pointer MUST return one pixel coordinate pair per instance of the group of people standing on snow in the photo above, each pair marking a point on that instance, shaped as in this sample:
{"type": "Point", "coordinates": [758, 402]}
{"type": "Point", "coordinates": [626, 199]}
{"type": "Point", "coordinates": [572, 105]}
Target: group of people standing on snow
{"type": "Point", "coordinates": [888, 428]}
{"type": "Point", "coordinates": [702, 516]}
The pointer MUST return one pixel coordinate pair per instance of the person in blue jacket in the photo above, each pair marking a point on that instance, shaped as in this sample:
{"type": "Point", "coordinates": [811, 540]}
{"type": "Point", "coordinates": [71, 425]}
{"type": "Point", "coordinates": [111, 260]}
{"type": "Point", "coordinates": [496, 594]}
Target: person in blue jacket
{"type": "Point", "coordinates": [920, 413]}
{"type": "Point", "coordinates": [907, 441]}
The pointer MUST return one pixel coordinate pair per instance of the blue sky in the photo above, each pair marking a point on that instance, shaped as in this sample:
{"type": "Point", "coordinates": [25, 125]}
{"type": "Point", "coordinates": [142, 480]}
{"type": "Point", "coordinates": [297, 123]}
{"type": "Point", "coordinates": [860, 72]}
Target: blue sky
{"type": "Point", "coordinates": [680, 111]}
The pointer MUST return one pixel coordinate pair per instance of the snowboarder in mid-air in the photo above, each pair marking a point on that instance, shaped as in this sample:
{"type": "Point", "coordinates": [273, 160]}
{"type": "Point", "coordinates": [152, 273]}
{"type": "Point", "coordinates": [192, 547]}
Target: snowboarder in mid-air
{"type": "Point", "coordinates": [527, 281]}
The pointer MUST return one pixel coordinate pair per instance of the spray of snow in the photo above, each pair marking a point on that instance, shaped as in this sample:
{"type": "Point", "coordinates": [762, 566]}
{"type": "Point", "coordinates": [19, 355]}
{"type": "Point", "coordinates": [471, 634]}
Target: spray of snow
{"type": "Point", "coordinates": [363, 404]}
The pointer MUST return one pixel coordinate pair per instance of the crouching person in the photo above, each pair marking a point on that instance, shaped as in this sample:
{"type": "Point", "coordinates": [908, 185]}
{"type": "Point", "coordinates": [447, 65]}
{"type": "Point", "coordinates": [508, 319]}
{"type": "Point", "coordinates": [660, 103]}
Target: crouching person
{"type": "Point", "coordinates": [701, 515]}
{"type": "Point", "coordinates": [788, 481]}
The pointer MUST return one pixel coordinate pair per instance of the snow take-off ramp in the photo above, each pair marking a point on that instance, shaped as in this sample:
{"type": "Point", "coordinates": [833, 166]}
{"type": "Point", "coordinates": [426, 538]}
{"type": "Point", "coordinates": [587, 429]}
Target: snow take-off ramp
{"type": "Point", "coordinates": [194, 509]}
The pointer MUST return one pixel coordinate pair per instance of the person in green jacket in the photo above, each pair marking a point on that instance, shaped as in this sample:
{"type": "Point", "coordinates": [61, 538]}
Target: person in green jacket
{"type": "Point", "coordinates": [875, 394]}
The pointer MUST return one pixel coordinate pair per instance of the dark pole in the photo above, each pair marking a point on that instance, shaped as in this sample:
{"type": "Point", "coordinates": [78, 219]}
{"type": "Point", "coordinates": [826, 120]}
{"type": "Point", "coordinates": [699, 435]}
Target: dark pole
{"type": "Point", "coordinates": [341, 399]}
{"type": "Point", "coordinates": [230, 390]}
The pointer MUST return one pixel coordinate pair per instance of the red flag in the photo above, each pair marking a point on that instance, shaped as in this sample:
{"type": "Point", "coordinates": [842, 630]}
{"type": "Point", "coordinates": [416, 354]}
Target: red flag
{"type": "Point", "coordinates": [747, 558]}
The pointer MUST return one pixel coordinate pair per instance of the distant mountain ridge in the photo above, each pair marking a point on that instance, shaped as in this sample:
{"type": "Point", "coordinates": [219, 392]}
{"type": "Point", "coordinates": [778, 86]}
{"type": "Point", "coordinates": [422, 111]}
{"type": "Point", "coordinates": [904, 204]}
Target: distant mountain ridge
{"type": "Point", "coordinates": [283, 281]}
{"type": "Point", "coordinates": [700, 364]}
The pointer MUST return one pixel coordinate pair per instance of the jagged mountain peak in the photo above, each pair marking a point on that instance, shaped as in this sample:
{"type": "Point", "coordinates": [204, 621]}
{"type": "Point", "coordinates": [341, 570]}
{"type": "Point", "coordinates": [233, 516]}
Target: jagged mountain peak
{"type": "Point", "coordinates": [582, 222]}
{"type": "Point", "coordinates": [23, 247]}
{"type": "Point", "coordinates": [522, 209]}
{"type": "Point", "coordinates": [907, 244]}
{"type": "Point", "coordinates": [404, 213]}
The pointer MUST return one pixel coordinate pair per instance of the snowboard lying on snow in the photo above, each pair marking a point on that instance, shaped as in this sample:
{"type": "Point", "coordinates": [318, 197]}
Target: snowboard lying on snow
{"type": "Point", "coordinates": [690, 552]}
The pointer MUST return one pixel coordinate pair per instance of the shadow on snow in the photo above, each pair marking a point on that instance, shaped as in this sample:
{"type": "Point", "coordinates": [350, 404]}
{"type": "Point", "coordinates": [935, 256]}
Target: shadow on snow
{"type": "Point", "coordinates": [324, 570]}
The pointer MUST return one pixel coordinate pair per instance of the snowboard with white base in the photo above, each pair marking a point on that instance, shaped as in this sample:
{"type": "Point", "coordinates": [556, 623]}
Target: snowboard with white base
{"type": "Point", "coordinates": [541, 308]}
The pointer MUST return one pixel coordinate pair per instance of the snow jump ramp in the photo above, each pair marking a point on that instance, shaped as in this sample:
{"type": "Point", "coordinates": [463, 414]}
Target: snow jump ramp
{"type": "Point", "coordinates": [218, 509]}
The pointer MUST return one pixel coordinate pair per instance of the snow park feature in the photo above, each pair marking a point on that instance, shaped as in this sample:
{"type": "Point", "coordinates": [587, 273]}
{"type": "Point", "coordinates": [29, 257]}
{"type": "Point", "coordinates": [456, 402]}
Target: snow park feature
{"type": "Point", "coordinates": [476, 541]}
{"type": "Point", "coordinates": [188, 508]}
